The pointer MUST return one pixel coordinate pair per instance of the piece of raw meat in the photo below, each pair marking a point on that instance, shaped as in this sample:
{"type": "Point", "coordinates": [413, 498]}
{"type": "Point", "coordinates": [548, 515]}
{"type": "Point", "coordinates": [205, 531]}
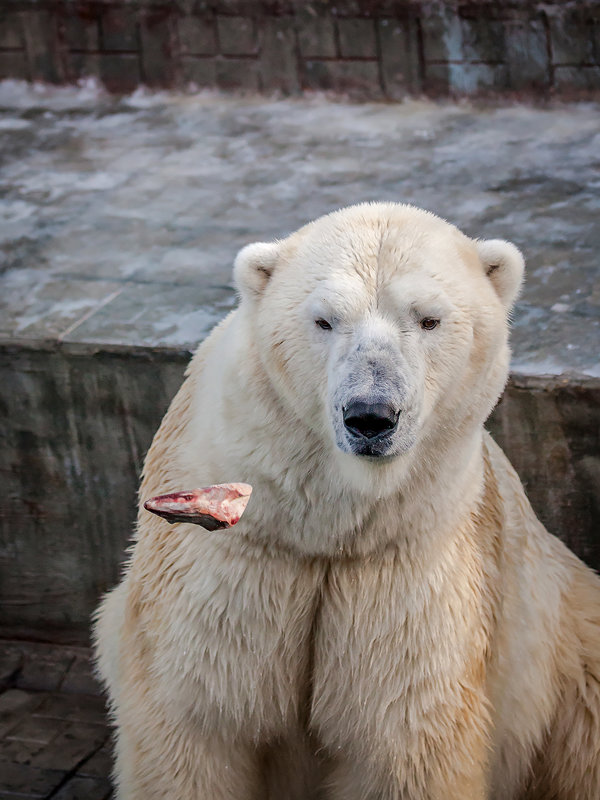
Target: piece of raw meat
{"type": "Point", "coordinates": [212, 507]}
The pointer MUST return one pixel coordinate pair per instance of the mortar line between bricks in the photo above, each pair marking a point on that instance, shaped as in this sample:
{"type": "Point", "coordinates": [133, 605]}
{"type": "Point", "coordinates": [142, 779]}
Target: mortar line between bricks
{"type": "Point", "coordinates": [298, 55]}
{"type": "Point", "coordinates": [100, 52]}
{"type": "Point", "coordinates": [72, 772]}
{"type": "Point", "coordinates": [140, 47]}
{"type": "Point", "coordinates": [61, 43]}
{"type": "Point", "coordinates": [549, 49]}
{"type": "Point", "coordinates": [379, 56]}
{"type": "Point", "coordinates": [215, 22]}
{"type": "Point", "coordinates": [421, 69]}
{"type": "Point", "coordinates": [464, 61]}
{"type": "Point", "coordinates": [66, 672]}
{"type": "Point", "coordinates": [26, 38]}
{"type": "Point", "coordinates": [340, 59]}
{"type": "Point", "coordinates": [336, 39]}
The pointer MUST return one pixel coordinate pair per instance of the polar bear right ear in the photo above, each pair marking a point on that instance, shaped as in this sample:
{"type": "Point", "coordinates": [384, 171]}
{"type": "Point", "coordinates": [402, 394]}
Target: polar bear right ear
{"type": "Point", "coordinates": [504, 266]}
{"type": "Point", "coordinates": [253, 267]}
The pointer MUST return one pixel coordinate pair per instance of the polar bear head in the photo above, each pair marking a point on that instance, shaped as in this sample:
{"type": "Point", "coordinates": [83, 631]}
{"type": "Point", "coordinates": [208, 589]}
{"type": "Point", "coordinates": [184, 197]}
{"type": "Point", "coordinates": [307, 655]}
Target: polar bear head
{"type": "Point", "coordinates": [382, 328]}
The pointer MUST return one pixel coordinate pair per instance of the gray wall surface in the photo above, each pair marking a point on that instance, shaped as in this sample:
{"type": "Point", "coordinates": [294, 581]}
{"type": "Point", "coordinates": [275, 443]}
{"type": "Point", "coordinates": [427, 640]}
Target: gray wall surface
{"type": "Point", "coordinates": [376, 48]}
{"type": "Point", "coordinates": [76, 429]}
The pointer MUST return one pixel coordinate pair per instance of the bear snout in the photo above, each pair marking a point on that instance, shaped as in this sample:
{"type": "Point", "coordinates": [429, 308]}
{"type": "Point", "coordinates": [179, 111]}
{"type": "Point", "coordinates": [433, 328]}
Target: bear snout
{"type": "Point", "coordinates": [366, 420]}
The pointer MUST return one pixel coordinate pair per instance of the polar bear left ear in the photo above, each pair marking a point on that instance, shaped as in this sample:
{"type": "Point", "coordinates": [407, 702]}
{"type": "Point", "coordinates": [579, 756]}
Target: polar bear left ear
{"type": "Point", "coordinates": [253, 267]}
{"type": "Point", "coordinates": [504, 265]}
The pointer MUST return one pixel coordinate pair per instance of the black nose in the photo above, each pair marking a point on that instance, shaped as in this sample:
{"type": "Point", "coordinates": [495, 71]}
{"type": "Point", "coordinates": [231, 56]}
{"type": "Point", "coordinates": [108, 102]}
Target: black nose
{"type": "Point", "coordinates": [370, 419]}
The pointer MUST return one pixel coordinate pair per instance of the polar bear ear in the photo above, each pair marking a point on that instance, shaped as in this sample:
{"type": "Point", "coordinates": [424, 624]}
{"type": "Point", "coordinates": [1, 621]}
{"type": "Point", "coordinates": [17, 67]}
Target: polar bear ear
{"type": "Point", "coordinates": [253, 267]}
{"type": "Point", "coordinates": [504, 265]}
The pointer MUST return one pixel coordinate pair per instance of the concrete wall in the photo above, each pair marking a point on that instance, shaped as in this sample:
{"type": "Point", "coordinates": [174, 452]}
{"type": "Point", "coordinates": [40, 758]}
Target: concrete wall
{"type": "Point", "coordinates": [374, 48]}
{"type": "Point", "coordinates": [77, 423]}
{"type": "Point", "coordinates": [76, 426]}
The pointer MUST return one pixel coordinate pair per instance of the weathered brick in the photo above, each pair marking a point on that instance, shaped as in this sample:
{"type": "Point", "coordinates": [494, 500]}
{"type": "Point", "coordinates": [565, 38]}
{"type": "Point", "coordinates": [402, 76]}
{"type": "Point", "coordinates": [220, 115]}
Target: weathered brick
{"type": "Point", "coordinates": [572, 37]}
{"type": "Point", "coordinates": [436, 79]}
{"type": "Point", "coordinates": [82, 32]}
{"type": "Point", "coordinates": [237, 73]}
{"type": "Point", "coordinates": [482, 39]}
{"type": "Point", "coordinates": [79, 788]}
{"type": "Point", "coordinates": [80, 678]}
{"type": "Point", "coordinates": [36, 729]}
{"type": "Point", "coordinates": [119, 27]}
{"type": "Point", "coordinates": [278, 64]}
{"type": "Point", "coordinates": [577, 78]}
{"type": "Point", "coordinates": [357, 38]}
{"type": "Point", "coordinates": [316, 35]}
{"type": "Point", "coordinates": [527, 54]}
{"type": "Point", "coordinates": [231, 8]}
{"type": "Point", "coordinates": [442, 34]}
{"type": "Point", "coordinates": [11, 30]}
{"type": "Point", "coordinates": [356, 77]}
{"type": "Point", "coordinates": [474, 78]}
{"type": "Point", "coordinates": [197, 36]}
{"type": "Point", "coordinates": [356, 8]}
{"type": "Point", "coordinates": [14, 65]}
{"type": "Point", "coordinates": [465, 78]}
{"type": "Point", "coordinates": [41, 39]}
{"type": "Point", "coordinates": [200, 71]}
{"type": "Point", "coordinates": [44, 670]}
{"type": "Point", "coordinates": [20, 751]}
{"type": "Point", "coordinates": [100, 764]}
{"type": "Point", "coordinates": [400, 62]}
{"type": "Point", "coordinates": [14, 702]}
{"type": "Point", "coordinates": [83, 65]}
{"type": "Point", "coordinates": [11, 660]}
{"type": "Point", "coordinates": [156, 31]}
{"type": "Point", "coordinates": [74, 708]}
{"type": "Point", "coordinates": [27, 781]}
{"type": "Point", "coordinates": [69, 747]}
{"type": "Point", "coordinates": [120, 72]}
{"type": "Point", "coordinates": [237, 35]}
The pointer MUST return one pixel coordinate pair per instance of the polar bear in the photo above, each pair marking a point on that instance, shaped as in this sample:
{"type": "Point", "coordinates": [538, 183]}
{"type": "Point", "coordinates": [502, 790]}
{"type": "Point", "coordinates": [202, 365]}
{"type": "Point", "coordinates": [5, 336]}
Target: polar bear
{"type": "Point", "coordinates": [388, 620]}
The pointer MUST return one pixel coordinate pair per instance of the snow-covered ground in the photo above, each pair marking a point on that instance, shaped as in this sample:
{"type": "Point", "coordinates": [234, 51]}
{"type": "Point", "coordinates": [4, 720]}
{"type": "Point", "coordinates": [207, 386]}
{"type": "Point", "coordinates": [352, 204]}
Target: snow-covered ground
{"type": "Point", "coordinates": [119, 219]}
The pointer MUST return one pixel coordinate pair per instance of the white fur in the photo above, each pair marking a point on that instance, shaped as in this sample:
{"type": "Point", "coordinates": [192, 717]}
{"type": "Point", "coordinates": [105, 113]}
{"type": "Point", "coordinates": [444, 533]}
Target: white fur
{"type": "Point", "coordinates": [392, 628]}
{"type": "Point", "coordinates": [505, 267]}
{"type": "Point", "coordinates": [253, 266]}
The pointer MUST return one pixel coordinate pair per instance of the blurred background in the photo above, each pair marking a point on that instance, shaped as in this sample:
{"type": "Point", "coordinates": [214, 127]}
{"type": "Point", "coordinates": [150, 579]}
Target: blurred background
{"type": "Point", "coordinates": [142, 143]}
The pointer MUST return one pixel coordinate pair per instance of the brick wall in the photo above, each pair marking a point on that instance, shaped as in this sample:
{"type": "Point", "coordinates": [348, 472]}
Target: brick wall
{"type": "Point", "coordinates": [375, 48]}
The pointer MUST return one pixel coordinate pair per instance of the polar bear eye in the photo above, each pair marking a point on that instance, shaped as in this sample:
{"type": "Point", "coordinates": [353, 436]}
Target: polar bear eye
{"type": "Point", "coordinates": [322, 323]}
{"type": "Point", "coordinates": [428, 323]}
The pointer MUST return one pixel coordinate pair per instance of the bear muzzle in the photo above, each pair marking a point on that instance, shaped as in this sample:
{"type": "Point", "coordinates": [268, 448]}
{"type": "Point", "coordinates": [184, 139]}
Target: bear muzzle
{"type": "Point", "coordinates": [369, 427]}
{"type": "Point", "coordinates": [370, 420]}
